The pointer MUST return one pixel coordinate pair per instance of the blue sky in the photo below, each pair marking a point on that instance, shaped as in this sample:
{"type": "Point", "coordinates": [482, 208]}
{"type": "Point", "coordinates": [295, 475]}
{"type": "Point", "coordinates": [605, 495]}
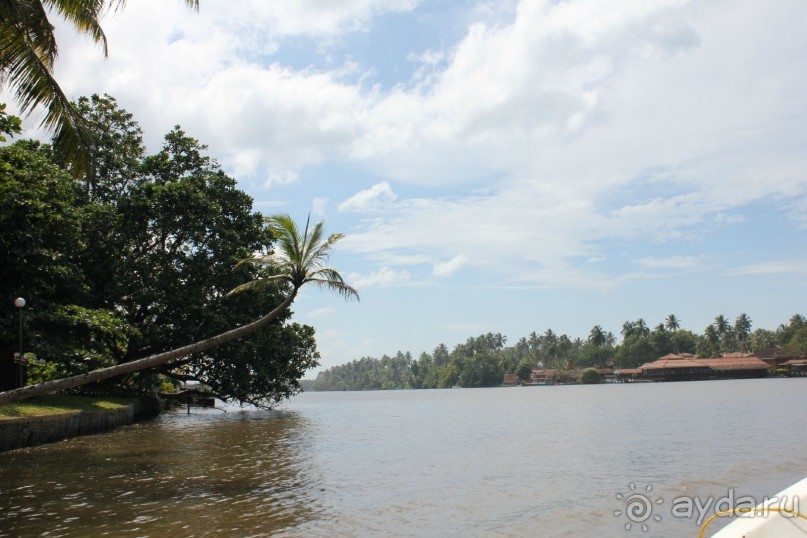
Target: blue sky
{"type": "Point", "coordinates": [496, 166]}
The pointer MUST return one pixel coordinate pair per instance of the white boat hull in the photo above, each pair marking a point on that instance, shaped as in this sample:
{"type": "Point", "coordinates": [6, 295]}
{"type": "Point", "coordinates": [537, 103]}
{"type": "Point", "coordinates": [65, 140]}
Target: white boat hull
{"type": "Point", "coordinates": [773, 524]}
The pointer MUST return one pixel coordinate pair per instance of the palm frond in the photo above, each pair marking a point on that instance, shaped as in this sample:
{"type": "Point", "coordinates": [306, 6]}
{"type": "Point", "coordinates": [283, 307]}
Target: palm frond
{"type": "Point", "coordinates": [34, 85]}
{"type": "Point", "coordinates": [348, 292]}
{"type": "Point", "coordinates": [284, 230]}
{"type": "Point", "coordinates": [26, 21]}
{"type": "Point", "coordinates": [298, 258]}
{"type": "Point", "coordinates": [311, 240]}
{"type": "Point", "coordinates": [120, 4]}
{"type": "Point", "coordinates": [83, 15]}
{"type": "Point", "coordinates": [258, 284]}
{"type": "Point", "coordinates": [257, 261]}
{"type": "Point", "coordinates": [319, 254]}
{"type": "Point", "coordinates": [331, 279]}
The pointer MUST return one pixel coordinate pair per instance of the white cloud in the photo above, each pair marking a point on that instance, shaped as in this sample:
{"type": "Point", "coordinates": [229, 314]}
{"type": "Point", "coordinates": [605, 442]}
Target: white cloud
{"type": "Point", "coordinates": [562, 110]}
{"type": "Point", "coordinates": [578, 91]}
{"type": "Point", "coordinates": [319, 206]}
{"type": "Point", "coordinates": [320, 312]}
{"type": "Point", "coordinates": [672, 262]}
{"type": "Point", "coordinates": [451, 266]}
{"type": "Point", "coordinates": [797, 211]}
{"type": "Point", "coordinates": [382, 277]}
{"type": "Point", "coordinates": [313, 18]}
{"type": "Point", "coordinates": [773, 267]}
{"type": "Point", "coordinates": [261, 204]}
{"type": "Point", "coordinates": [366, 199]}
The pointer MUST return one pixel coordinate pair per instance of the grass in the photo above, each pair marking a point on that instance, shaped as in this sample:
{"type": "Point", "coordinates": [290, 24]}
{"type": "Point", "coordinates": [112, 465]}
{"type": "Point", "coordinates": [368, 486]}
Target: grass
{"type": "Point", "coordinates": [56, 404]}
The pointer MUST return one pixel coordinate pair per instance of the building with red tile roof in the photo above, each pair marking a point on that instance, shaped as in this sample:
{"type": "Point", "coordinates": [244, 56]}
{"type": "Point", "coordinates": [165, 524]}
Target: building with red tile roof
{"type": "Point", "coordinates": [686, 367]}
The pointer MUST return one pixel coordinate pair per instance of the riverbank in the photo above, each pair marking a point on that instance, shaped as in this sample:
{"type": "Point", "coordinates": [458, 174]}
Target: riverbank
{"type": "Point", "coordinates": [42, 421]}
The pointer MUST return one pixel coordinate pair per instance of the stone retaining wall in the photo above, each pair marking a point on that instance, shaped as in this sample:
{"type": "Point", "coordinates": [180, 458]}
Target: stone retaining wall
{"type": "Point", "coordinates": [31, 431]}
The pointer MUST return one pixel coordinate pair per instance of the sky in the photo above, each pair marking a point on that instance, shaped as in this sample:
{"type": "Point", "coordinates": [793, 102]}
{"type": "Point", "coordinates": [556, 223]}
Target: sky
{"type": "Point", "coordinates": [496, 166]}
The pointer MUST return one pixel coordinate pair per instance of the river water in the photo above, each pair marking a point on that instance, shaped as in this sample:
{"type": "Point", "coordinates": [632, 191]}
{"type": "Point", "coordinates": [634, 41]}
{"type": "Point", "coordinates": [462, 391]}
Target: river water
{"type": "Point", "coordinates": [521, 461]}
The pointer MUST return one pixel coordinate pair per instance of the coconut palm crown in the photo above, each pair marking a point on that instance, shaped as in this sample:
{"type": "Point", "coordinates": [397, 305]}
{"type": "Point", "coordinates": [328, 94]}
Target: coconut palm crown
{"type": "Point", "coordinates": [298, 258]}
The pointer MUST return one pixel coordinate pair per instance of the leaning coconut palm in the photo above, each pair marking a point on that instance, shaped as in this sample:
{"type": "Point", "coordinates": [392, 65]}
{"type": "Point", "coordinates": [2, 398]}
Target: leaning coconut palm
{"type": "Point", "coordinates": [28, 52]}
{"type": "Point", "coordinates": [297, 260]}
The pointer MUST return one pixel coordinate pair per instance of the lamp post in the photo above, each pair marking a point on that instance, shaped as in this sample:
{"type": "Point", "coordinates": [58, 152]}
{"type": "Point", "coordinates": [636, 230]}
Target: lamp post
{"type": "Point", "coordinates": [19, 302]}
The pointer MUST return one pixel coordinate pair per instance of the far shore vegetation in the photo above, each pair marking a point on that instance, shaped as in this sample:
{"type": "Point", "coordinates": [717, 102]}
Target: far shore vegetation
{"type": "Point", "coordinates": [482, 361]}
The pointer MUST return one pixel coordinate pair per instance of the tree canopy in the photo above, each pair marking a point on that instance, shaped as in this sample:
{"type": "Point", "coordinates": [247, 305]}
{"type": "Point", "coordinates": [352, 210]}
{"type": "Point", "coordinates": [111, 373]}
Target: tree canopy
{"type": "Point", "coordinates": [482, 361]}
{"type": "Point", "coordinates": [139, 261]}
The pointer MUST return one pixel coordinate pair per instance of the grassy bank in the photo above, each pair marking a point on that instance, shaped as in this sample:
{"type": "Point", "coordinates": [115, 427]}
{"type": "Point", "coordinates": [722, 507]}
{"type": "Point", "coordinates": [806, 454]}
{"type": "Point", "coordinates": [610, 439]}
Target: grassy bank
{"type": "Point", "coordinates": [55, 404]}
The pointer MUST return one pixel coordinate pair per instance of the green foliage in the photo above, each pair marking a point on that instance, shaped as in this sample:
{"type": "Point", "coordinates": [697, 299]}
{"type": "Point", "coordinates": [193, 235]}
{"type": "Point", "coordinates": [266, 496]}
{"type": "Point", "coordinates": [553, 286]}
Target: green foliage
{"type": "Point", "coordinates": [483, 360]}
{"type": "Point", "coordinates": [9, 125]}
{"type": "Point", "coordinates": [138, 259]}
{"type": "Point", "coordinates": [590, 376]}
{"type": "Point", "coordinates": [595, 355]}
{"type": "Point", "coordinates": [795, 339]}
{"type": "Point", "coordinates": [166, 385]}
{"type": "Point", "coordinates": [683, 341]}
{"type": "Point", "coordinates": [116, 141]}
{"type": "Point", "coordinates": [40, 243]}
{"type": "Point", "coordinates": [524, 370]}
{"type": "Point", "coordinates": [39, 372]}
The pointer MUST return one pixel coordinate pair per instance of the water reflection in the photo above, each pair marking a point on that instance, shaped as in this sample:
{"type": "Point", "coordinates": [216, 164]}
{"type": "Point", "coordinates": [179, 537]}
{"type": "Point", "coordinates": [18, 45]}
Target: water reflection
{"type": "Point", "coordinates": [490, 462]}
{"type": "Point", "coordinates": [243, 473]}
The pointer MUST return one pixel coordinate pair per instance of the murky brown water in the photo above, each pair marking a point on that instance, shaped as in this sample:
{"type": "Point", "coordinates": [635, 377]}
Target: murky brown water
{"type": "Point", "coordinates": [543, 461]}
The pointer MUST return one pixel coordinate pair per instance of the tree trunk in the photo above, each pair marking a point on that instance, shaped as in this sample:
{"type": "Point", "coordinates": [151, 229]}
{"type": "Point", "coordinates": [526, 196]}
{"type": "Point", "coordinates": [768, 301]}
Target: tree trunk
{"type": "Point", "coordinates": [148, 362]}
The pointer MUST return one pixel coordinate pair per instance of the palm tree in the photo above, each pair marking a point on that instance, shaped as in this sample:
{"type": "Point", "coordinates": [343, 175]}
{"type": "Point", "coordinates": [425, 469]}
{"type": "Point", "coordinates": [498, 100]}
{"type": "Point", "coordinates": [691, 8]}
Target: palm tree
{"type": "Point", "coordinates": [672, 323]}
{"type": "Point", "coordinates": [742, 327]}
{"type": "Point", "coordinates": [28, 52]}
{"type": "Point", "coordinates": [721, 325]}
{"type": "Point", "coordinates": [641, 328]}
{"type": "Point", "coordinates": [597, 336]}
{"type": "Point", "coordinates": [298, 260]}
{"type": "Point", "coordinates": [628, 329]}
{"type": "Point", "coordinates": [713, 339]}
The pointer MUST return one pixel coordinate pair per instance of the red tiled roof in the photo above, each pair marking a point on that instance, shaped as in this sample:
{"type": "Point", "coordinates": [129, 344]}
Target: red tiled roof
{"type": "Point", "coordinates": [795, 362]}
{"type": "Point", "coordinates": [744, 363]}
{"type": "Point", "coordinates": [678, 362]}
{"type": "Point", "coordinates": [737, 361]}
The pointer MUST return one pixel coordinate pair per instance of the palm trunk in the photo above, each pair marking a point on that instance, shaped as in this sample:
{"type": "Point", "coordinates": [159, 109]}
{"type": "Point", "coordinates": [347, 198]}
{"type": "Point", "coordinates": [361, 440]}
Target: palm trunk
{"type": "Point", "coordinates": [149, 362]}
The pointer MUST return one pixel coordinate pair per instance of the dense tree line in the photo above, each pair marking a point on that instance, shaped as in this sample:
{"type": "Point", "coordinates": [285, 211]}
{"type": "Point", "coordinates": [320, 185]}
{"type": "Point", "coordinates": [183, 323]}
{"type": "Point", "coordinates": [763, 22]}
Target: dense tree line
{"type": "Point", "coordinates": [136, 257]}
{"type": "Point", "coordinates": [483, 361]}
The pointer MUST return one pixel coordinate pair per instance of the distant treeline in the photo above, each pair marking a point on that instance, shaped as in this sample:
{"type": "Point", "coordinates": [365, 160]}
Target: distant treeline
{"type": "Point", "coordinates": [483, 361]}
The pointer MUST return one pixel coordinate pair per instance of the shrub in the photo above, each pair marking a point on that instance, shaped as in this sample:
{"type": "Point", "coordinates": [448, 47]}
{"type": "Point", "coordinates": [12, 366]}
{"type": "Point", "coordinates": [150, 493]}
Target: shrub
{"type": "Point", "coordinates": [590, 377]}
